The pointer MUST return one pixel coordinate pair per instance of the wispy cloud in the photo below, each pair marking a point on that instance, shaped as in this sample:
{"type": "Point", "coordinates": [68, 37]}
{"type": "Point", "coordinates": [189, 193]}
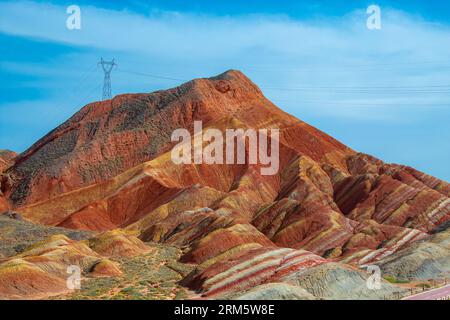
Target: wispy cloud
{"type": "Point", "coordinates": [283, 55]}
{"type": "Point", "coordinates": [275, 51]}
{"type": "Point", "coordinates": [176, 34]}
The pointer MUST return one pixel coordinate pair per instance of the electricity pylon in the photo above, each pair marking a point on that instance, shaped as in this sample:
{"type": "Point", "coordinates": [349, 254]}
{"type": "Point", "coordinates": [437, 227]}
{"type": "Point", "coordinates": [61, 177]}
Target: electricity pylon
{"type": "Point", "coordinates": [107, 67]}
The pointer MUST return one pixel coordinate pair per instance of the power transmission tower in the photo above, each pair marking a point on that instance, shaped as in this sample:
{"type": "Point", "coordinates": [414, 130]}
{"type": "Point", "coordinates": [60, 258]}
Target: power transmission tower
{"type": "Point", "coordinates": [107, 67]}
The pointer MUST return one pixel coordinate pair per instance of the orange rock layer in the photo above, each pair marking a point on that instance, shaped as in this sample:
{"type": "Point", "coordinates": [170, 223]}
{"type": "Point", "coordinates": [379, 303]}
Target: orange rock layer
{"type": "Point", "coordinates": [109, 167]}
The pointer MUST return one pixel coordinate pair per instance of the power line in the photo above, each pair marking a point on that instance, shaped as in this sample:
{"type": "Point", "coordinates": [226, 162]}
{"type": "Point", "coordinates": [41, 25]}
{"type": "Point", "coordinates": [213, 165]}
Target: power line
{"type": "Point", "coordinates": [346, 68]}
{"type": "Point", "coordinates": [94, 89]}
{"type": "Point", "coordinates": [84, 77]}
{"type": "Point", "coordinates": [361, 67]}
{"type": "Point", "coordinates": [385, 90]}
{"type": "Point", "coordinates": [367, 87]}
{"type": "Point", "coordinates": [359, 89]}
{"type": "Point", "coordinates": [353, 103]}
{"type": "Point", "coordinates": [398, 63]}
{"type": "Point", "coordinates": [359, 92]}
{"type": "Point", "coordinates": [150, 75]}
{"type": "Point", "coordinates": [342, 90]}
{"type": "Point", "coordinates": [341, 68]}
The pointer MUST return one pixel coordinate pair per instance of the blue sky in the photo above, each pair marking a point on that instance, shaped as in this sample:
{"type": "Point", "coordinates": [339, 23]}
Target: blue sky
{"type": "Point", "coordinates": [384, 92]}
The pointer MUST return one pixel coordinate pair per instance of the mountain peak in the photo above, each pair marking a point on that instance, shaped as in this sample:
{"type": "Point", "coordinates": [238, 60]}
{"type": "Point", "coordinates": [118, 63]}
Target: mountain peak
{"type": "Point", "coordinates": [231, 74]}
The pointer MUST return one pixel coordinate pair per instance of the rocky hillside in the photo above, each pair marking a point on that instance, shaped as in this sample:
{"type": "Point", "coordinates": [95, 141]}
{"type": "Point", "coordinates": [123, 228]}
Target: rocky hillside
{"type": "Point", "coordinates": [6, 160]}
{"type": "Point", "coordinates": [327, 214]}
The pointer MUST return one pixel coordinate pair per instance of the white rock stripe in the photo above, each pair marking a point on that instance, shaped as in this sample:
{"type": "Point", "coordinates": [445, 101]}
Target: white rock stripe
{"type": "Point", "coordinates": [239, 268]}
{"type": "Point", "coordinates": [261, 269]}
{"type": "Point", "coordinates": [302, 258]}
{"type": "Point", "coordinates": [234, 278]}
{"type": "Point", "coordinates": [440, 211]}
{"type": "Point", "coordinates": [404, 238]}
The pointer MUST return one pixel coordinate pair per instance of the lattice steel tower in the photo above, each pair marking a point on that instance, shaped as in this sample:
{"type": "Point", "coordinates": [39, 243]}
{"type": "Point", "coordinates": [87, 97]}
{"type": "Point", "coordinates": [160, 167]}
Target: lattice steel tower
{"type": "Point", "coordinates": [107, 67]}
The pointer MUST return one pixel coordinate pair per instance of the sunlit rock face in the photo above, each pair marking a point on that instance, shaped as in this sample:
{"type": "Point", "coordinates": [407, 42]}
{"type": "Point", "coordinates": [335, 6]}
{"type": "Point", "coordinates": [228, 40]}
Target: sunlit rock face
{"type": "Point", "coordinates": [327, 208]}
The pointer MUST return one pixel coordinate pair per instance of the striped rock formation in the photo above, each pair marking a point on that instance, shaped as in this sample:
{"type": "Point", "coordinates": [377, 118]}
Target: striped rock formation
{"type": "Point", "coordinates": [42, 270]}
{"type": "Point", "coordinates": [249, 268]}
{"type": "Point", "coordinates": [424, 259]}
{"type": "Point", "coordinates": [110, 167]}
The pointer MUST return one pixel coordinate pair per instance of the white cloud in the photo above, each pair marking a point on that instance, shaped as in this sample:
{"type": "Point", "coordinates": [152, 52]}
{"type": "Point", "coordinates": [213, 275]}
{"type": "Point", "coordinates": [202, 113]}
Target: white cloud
{"type": "Point", "coordinates": [175, 34]}
{"type": "Point", "coordinates": [275, 51]}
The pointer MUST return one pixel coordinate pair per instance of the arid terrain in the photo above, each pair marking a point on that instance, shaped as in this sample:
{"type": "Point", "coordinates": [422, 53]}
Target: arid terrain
{"type": "Point", "coordinates": [101, 192]}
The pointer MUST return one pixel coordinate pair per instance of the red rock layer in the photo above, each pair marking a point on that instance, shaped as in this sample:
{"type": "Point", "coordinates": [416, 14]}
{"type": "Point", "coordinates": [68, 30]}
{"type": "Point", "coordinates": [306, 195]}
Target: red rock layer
{"type": "Point", "coordinates": [41, 270]}
{"type": "Point", "coordinates": [109, 166]}
{"type": "Point", "coordinates": [394, 195]}
{"type": "Point", "coordinates": [257, 266]}
{"type": "Point", "coordinates": [105, 138]}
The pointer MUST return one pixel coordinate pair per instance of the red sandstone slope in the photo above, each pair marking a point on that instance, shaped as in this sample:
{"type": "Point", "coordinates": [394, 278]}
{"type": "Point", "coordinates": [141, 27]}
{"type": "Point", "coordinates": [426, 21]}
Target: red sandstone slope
{"type": "Point", "coordinates": [105, 138]}
{"type": "Point", "coordinates": [109, 166]}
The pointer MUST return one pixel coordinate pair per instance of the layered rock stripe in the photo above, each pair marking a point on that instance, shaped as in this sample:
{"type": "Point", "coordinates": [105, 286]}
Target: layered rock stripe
{"type": "Point", "coordinates": [109, 167]}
